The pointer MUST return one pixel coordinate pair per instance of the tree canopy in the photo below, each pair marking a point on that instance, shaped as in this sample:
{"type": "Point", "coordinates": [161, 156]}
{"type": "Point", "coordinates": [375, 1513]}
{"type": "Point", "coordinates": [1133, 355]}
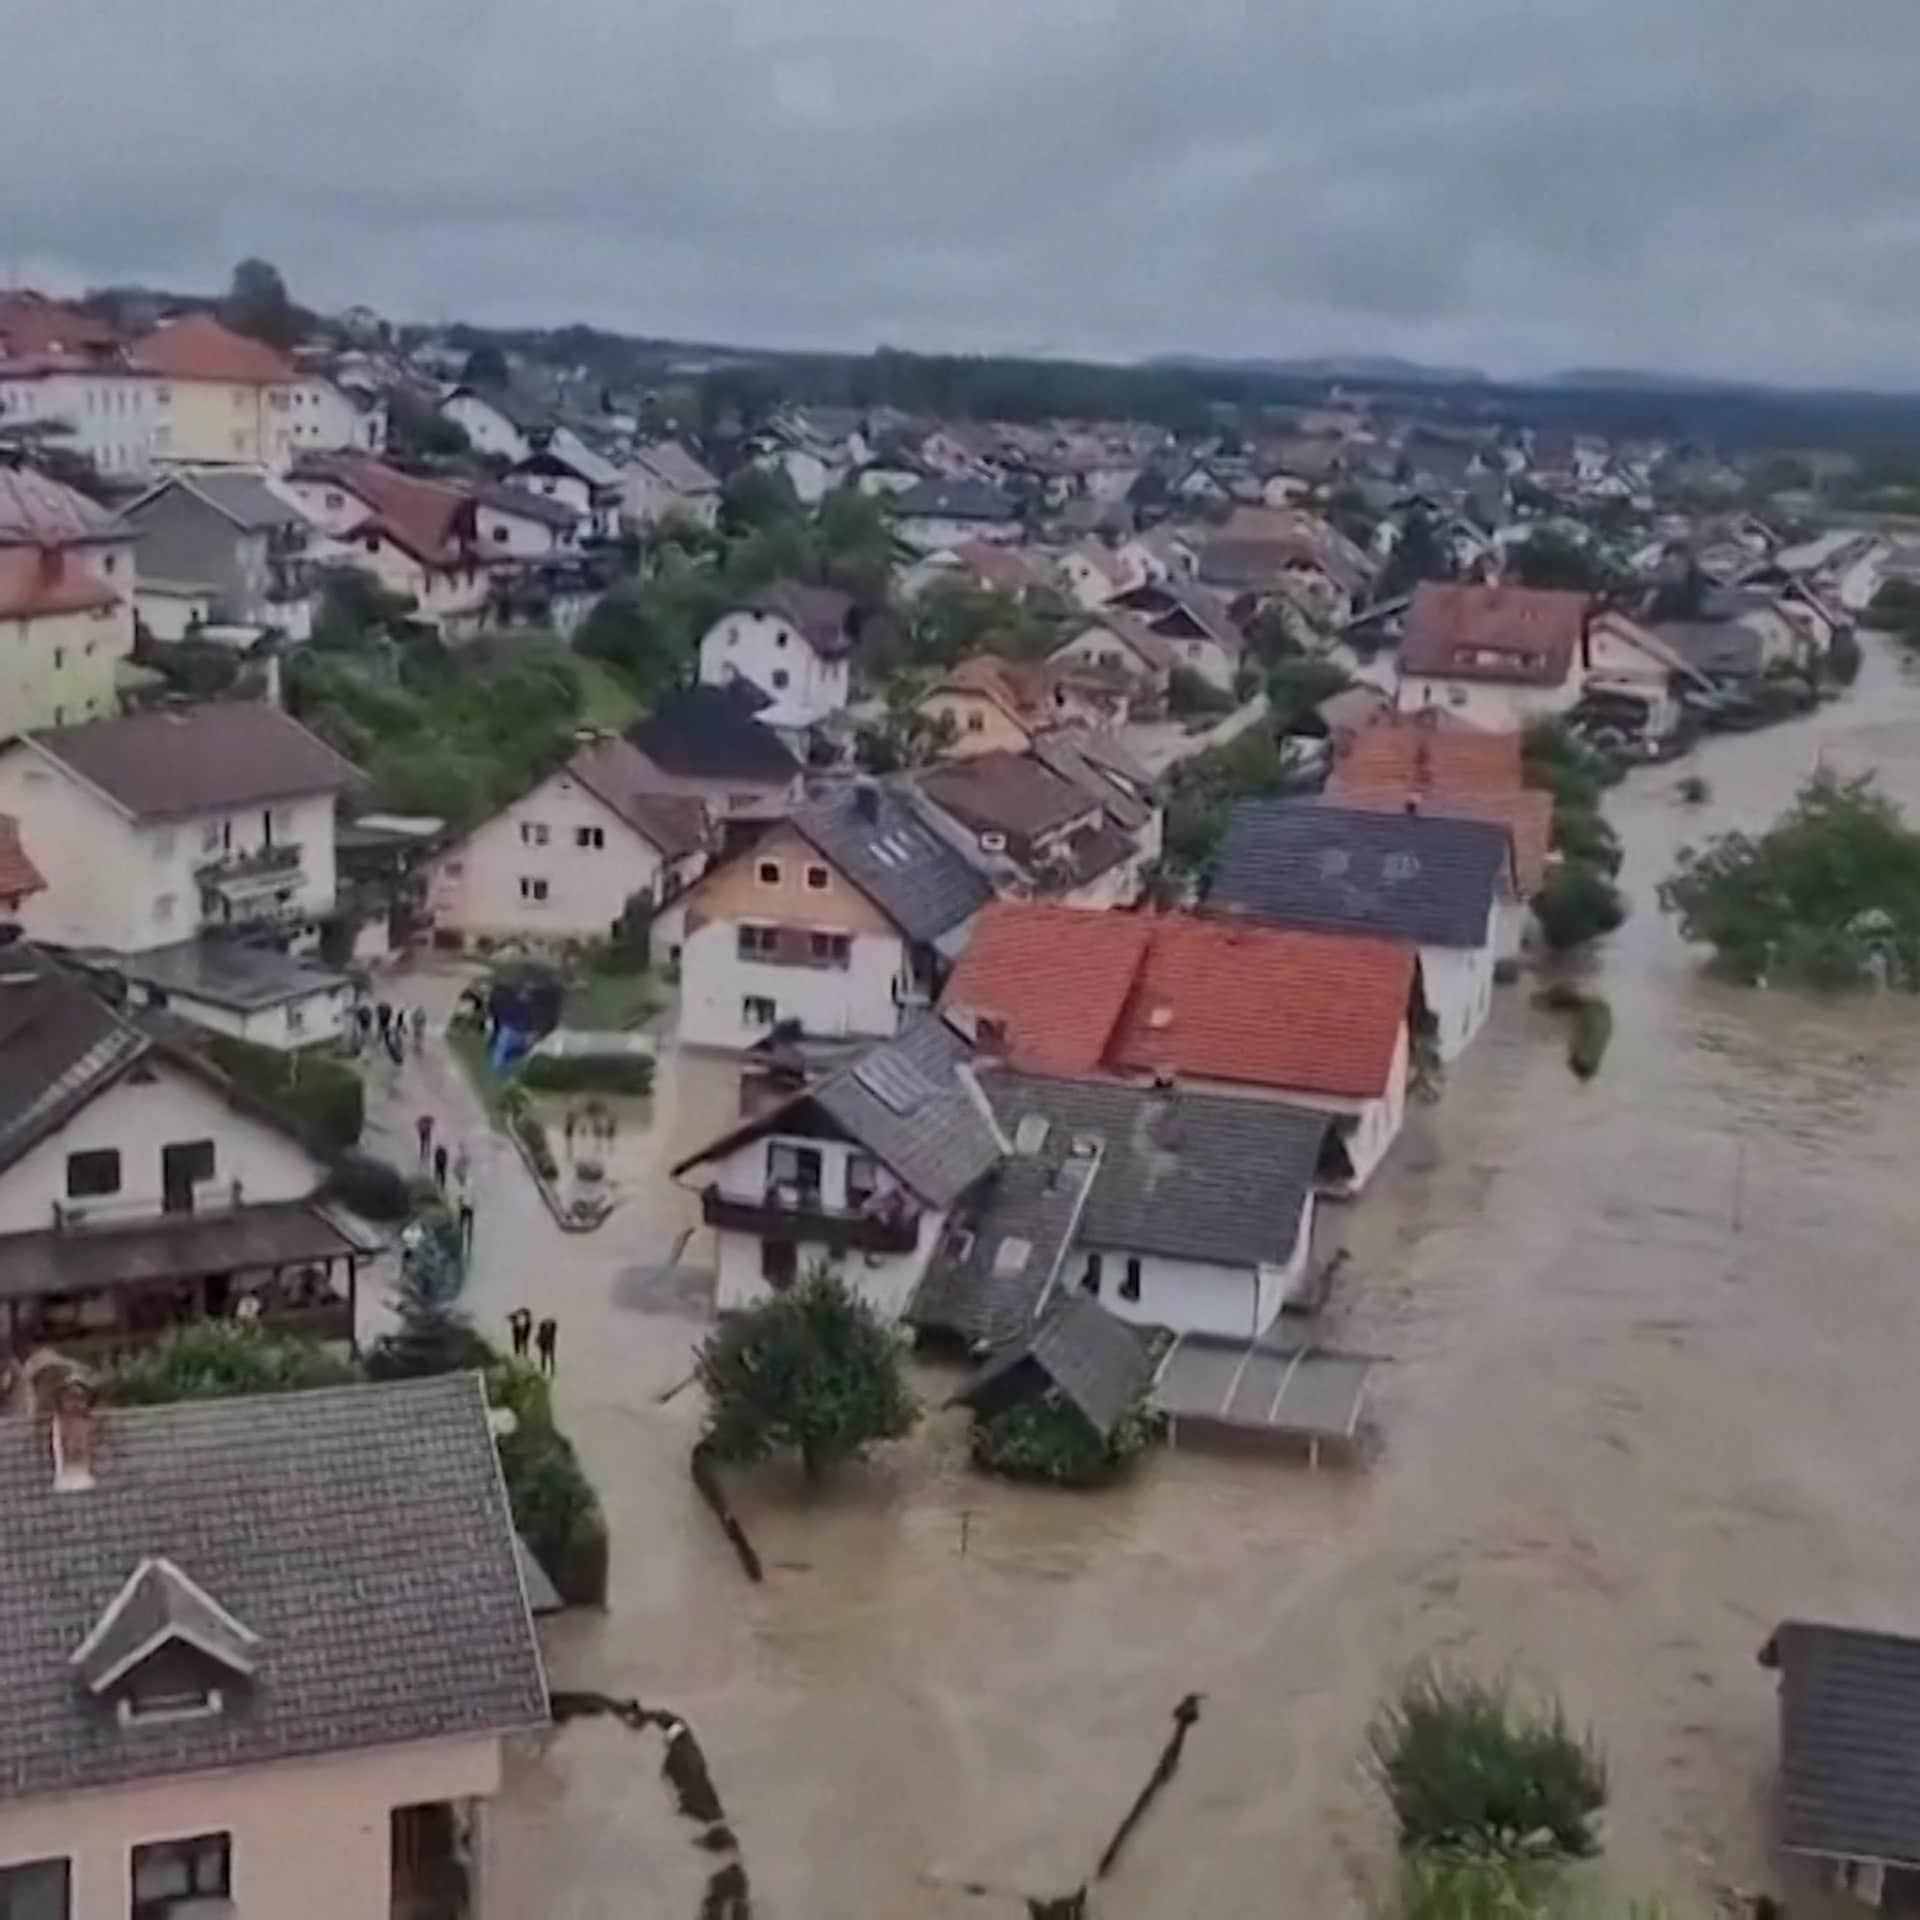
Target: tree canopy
{"type": "Point", "coordinates": [257, 304]}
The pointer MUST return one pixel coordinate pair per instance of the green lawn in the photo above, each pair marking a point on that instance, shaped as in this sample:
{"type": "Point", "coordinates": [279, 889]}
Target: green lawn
{"type": "Point", "coordinates": [605, 698]}
{"type": "Point", "coordinates": [603, 1001]}
{"type": "Point", "coordinates": [469, 1047]}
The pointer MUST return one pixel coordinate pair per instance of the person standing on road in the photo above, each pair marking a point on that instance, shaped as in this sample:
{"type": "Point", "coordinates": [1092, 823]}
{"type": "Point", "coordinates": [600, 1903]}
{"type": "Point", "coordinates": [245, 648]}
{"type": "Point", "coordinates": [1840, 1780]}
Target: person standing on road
{"type": "Point", "coordinates": [463, 1205]}
{"type": "Point", "coordinates": [423, 1132]}
{"type": "Point", "coordinates": [440, 1168]}
{"type": "Point", "coordinates": [520, 1326]}
{"type": "Point", "coordinates": [546, 1337]}
{"type": "Point", "coordinates": [419, 1018]}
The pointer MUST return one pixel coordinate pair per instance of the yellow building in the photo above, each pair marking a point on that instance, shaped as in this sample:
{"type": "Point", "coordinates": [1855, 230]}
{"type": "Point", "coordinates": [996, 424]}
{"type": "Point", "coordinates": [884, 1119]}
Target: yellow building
{"type": "Point", "coordinates": [223, 400]}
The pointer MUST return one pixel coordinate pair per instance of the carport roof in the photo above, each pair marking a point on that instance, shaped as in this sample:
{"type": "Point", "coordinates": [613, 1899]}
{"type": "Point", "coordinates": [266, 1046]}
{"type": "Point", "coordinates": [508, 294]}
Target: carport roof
{"type": "Point", "coordinates": [1310, 1392]}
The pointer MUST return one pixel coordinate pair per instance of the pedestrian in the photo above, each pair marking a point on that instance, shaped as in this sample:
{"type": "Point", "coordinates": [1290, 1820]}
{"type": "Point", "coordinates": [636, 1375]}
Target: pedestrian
{"type": "Point", "coordinates": [363, 1019]}
{"type": "Point", "coordinates": [385, 1013]}
{"type": "Point", "coordinates": [419, 1029]}
{"type": "Point", "coordinates": [462, 1167]}
{"type": "Point", "coordinates": [545, 1337]}
{"type": "Point", "coordinates": [464, 1196]}
{"type": "Point", "coordinates": [573, 1121]}
{"type": "Point", "coordinates": [423, 1132]}
{"type": "Point", "coordinates": [440, 1168]}
{"type": "Point", "coordinates": [396, 1044]}
{"type": "Point", "coordinates": [520, 1325]}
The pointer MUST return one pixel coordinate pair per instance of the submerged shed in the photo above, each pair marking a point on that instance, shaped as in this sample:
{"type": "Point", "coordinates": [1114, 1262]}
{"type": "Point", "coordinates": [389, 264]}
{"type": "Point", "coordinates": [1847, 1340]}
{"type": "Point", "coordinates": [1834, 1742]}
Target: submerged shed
{"type": "Point", "coordinates": [1076, 1349]}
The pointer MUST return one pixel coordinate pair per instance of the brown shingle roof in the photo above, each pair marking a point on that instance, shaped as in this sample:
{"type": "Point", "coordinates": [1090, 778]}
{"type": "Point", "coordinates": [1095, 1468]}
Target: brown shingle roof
{"type": "Point", "coordinates": [618, 774]}
{"type": "Point", "coordinates": [1527, 636]}
{"type": "Point", "coordinates": [43, 580]}
{"type": "Point", "coordinates": [200, 348]}
{"type": "Point", "coordinates": [820, 615]}
{"type": "Point", "coordinates": [1408, 750]}
{"type": "Point", "coordinates": [18, 875]}
{"type": "Point", "coordinates": [189, 760]}
{"type": "Point", "coordinates": [1006, 793]}
{"type": "Point", "coordinates": [430, 520]}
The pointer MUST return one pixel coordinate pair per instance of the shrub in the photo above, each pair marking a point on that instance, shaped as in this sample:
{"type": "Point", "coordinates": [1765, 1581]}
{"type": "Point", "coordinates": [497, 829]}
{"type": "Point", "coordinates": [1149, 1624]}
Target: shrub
{"type": "Point", "coordinates": [1583, 838]}
{"type": "Point", "coordinates": [216, 1359]}
{"type": "Point", "coordinates": [533, 1135]}
{"type": "Point", "coordinates": [1592, 1030]}
{"type": "Point", "coordinates": [1190, 694]}
{"type": "Point", "coordinates": [629, 1073]}
{"type": "Point", "coordinates": [1466, 1767]}
{"type": "Point", "coordinates": [369, 1186]}
{"type": "Point", "coordinates": [1052, 1440]}
{"type": "Point", "coordinates": [1577, 904]}
{"type": "Point", "coordinates": [555, 1509]}
{"type": "Point", "coordinates": [320, 1098]}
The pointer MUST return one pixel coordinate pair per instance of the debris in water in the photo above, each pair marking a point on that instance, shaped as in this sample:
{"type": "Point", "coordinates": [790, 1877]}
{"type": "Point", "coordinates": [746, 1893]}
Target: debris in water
{"type": "Point", "coordinates": [701, 1466]}
{"type": "Point", "coordinates": [1184, 1716]}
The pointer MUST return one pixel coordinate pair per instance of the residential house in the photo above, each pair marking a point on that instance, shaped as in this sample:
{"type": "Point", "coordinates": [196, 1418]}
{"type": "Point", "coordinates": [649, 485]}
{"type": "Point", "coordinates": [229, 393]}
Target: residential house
{"type": "Point", "coordinates": [1169, 1208]}
{"type": "Point", "coordinates": [841, 919]}
{"type": "Point", "coordinates": [950, 513]}
{"type": "Point", "coordinates": [1498, 656]}
{"type": "Point", "coordinates": [1014, 571]}
{"type": "Point", "coordinates": [1634, 680]}
{"type": "Point", "coordinates": [1309, 1019]}
{"type": "Point", "coordinates": [514, 527]}
{"type": "Point", "coordinates": [1728, 656]}
{"type": "Point", "coordinates": [140, 1189]}
{"type": "Point", "coordinates": [225, 534]}
{"type": "Point", "coordinates": [1071, 1352]}
{"type": "Point", "coordinates": [665, 482]}
{"type": "Point", "coordinates": [562, 467]}
{"type": "Point", "coordinates": [567, 859]}
{"type": "Point", "coordinates": [18, 875]}
{"type": "Point", "coordinates": [264, 1657]}
{"type": "Point", "coordinates": [1094, 573]}
{"type": "Point", "coordinates": [1124, 643]}
{"type": "Point", "coordinates": [66, 603]}
{"type": "Point", "coordinates": [68, 370]}
{"type": "Point", "coordinates": [497, 422]}
{"type": "Point", "coordinates": [1261, 553]}
{"type": "Point", "coordinates": [1095, 761]}
{"type": "Point", "coordinates": [225, 399]}
{"type": "Point", "coordinates": [708, 742]}
{"type": "Point", "coordinates": [1445, 887]}
{"type": "Point", "coordinates": [988, 704]}
{"type": "Point", "coordinates": [859, 1171]}
{"type": "Point", "coordinates": [794, 643]}
{"type": "Point", "coordinates": [193, 848]}
{"type": "Point", "coordinates": [1195, 624]}
{"type": "Point", "coordinates": [1031, 831]}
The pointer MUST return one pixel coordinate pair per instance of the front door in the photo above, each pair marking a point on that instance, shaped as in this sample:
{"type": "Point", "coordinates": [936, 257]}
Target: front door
{"type": "Point", "coordinates": [183, 1165]}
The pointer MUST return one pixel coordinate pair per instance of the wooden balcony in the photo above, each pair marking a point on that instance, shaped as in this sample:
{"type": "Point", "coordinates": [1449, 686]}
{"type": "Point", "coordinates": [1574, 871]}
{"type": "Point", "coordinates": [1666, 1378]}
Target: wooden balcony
{"type": "Point", "coordinates": [808, 1220]}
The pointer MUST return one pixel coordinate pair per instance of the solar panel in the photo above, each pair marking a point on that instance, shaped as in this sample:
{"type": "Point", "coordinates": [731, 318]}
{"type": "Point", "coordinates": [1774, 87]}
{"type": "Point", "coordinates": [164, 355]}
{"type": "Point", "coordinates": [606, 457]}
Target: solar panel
{"type": "Point", "coordinates": [897, 1084]}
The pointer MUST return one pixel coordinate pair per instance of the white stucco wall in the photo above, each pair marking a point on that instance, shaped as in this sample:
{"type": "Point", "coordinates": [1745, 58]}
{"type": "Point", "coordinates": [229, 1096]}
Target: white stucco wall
{"type": "Point", "coordinates": [311, 1839]}
{"type": "Point", "coordinates": [488, 430]}
{"type": "Point", "coordinates": [137, 1119]}
{"type": "Point", "coordinates": [829, 1002]}
{"type": "Point", "coordinates": [767, 650]}
{"type": "Point", "coordinates": [513, 536]}
{"type": "Point", "coordinates": [1494, 705]}
{"type": "Point", "coordinates": [1196, 1296]}
{"type": "Point", "coordinates": [1459, 989]}
{"type": "Point", "coordinates": [286, 1027]}
{"type": "Point", "coordinates": [885, 1280]}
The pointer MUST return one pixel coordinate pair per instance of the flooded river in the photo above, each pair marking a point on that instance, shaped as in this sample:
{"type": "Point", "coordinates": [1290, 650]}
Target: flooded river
{"type": "Point", "coordinates": [1651, 1344]}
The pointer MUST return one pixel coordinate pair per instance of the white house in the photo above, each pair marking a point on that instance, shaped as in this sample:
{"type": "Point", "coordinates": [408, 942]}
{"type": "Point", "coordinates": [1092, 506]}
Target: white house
{"type": "Point", "coordinates": [496, 422]}
{"type": "Point", "coordinates": [1124, 643]}
{"type": "Point", "coordinates": [839, 921]}
{"type": "Point", "coordinates": [857, 1173]}
{"type": "Point", "coordinates": [513, 525]}
{"type": "Point", "coordinates": [196, 847]}
{"type": "Point", "coordinates": [565, 860]}
{"type": "Point", "coordinates": [1496, 657]}
{"type": "Point", "coordinates": [665, 482]}
{"type": "Point", "coordinates": [949, 513]}
{"type": "Point", "coordinates": [1195, 625]}
{"type": "Point", "coordinates": [561, 467]}
{"type": "Point", "coordinates": [794, 643]}
{"type": "Point", "coordinates": [248, 1701]}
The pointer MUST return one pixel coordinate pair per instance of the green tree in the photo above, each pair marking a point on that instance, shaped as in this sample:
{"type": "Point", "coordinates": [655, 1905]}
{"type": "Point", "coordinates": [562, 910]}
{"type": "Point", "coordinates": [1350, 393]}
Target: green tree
{"type": "Point", "coordinates": [757, 500]}
{"type": "Point", "coordinates": [1578, 903]}
{"type": "Point", "coordinates": [954, 618]}
{"type": "Point", "coordinates": [631, 630]}
{"type": "Point", "coordinates": [814, 1368]}
{"type": "Point", "coordinates": [215, 1359]}
{"type": "Point", "coordinates": [1419, 554]}
{"type": "Point", "coordinates": [1296, 687]}
{"type": "Point", "coordinates": [1253, 766]}
{"type": "Point", "coordinates": [434, 1336]}
{"type": "Point", "coordinates": [257, 304]}
{"type": "Point", "coordinates": [1548, 559]}
{"type": "Point", "coordinates": [486, 367]}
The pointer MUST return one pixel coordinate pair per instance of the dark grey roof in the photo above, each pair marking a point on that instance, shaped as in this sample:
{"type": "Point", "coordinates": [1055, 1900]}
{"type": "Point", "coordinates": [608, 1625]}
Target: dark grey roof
{"type": "Point", "coordinates": [224, 973]}
{"type": "Point", "coordinates": [1722, 648]}
{"type": "Point", "coordinates": [876, 839]}
{"type": "Point", "coordinates": [997, 1263]}
{"type": "Point", "coordinates": [1124, 790]}
{"type": "Point", "coordinates": [822, 616]}
{"type": "Point", "coordinates": [1193, 1176]}
{"type": "Point", "coordinates": [241, 497]}
{"type": "Point", "coordinates": [1414, 877]}
{"type": "Point", "coordinates": [709, 733]}
{"type": "Point", "coordinates": [360, 1532]}
{"type": "Point", "coordinates": [1849, 1741]}
{"type": "Point", "coordinates": [953, 500]}
{"type": "Point", "coordinates": [159, 1604]}
{"type": "Point", "coordinates": [1094, 1359]}
{"type": "Point", "coordinates": [527, 504]}
{"type": "Point", "coordinates": [60, 1044]}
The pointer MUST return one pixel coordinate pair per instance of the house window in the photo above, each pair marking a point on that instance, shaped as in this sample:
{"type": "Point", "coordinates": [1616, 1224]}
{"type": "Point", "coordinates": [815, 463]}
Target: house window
{"type": "Point", "coordinates": [296, 1017]}
{"type": "Point", "coordinates": [173, 1876]}
{"type": "Point", "coordinates": [779, 639]}
{"type": "Point", "coordinates": [36, 1890]}
{"type": "Point", "coordinates": [832, 949]}
{"type": "Point", "coordinates": [212, 836]}
{"type": "Point", "coordinates": [758, 1011]}
{"type": "Point", "coordinates": [818, 879]}
{"type": "Point", "coordinates": [532, 889]}
{"type": "Point", "coordinates": [500, 534]}
{"type": "Point", "coordinates": [1130, 1285]}
{"type": "Point", "coordinates": [533, 833]}
{"type": "Point", "coordinates": [779, 1264]}
{"type": "Point", "coordinates": [795, 1169]}
{"type": "Point", "coordinates": [768, 873]}
{"type": "Point", "coordinates": [1090, 1279]}
{"type": "Point", "coordinates": [59, 658]}
{"type": "Point", "coordinates": [780, 679]}
{"type": "Point", "coordinates": [184, 1165]}
{"type": "Point", "coordinates": [336, 501]}
{"type": "Point", "coordinates": [590, 837]}
{"type": "Point", "coordinates": [757, 942]}
{"type": "Point", "coordinates": [863, 1181]}
{"type": "Point", "coordinates": [90, 1174]}
{"type": "Point", "coordinates": [976, 723]}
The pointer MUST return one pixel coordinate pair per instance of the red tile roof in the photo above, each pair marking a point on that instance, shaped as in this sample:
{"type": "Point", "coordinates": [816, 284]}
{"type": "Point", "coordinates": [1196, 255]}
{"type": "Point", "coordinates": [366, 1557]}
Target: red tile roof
{"type": "Point", "coordinates": [1407, 751]}
{"type": "Point", "coordinates": [1082, 992]}
{"type": "Point", "coordinates": [35, 581]}
{"type": "Point", "coordinates": [33, 327]}
{"type": "Point", "coordinates": [18, 875]}
{"type": "Point", "coordinates": [1526, 813]}
{"type": "Point", "coordinates": [200, 348]}
{"type": "Point", "coordinates": [430, 520]}
{"type": "Point", "coordinates": [1522, 635]}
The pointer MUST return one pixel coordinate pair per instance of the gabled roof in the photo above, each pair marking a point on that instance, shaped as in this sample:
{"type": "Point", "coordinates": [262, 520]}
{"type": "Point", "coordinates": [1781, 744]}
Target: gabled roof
{"type": "Point", "coordinates": [820, 615]}
{"type": "Point", "coordinates": [425, 517]}
{"type": "Point", "coordinates": [709, 733]}
{"type": "Point", "coordinates": [1407, 750]}
{"type": "Point", "coordinates": [1002, 792]}
{"type": "Point", "coordinates": [18, 875]}
{"type": "Point", "coordinates": [33, 326]}
{"type": "Point", "coordinates": [360, 1534]}
{"type": "Point", "coordinates": [178, 761]}
{"type": "Point", "coordinates": [160, 1605]}
{"type": "Point", "coordinates": [1084, 993]}
{"type": "Point", "coordinates": [198, 347]}
{"type": "Point", "coordinates": [1176, 609]}
{"type": "Point", "coordinates": [1407, 877]}
{"type": "Point", "coordinates": [1153, 650]}
{"type": "Point", "coordinates": [1102, 770]}
{"type": "Point", "coordinates": [528, 416]}
{"type": "Point", "coordinates": [1526, 813]}
{"type": "Point", "coordinates": [673, 466]}
{"type": "Point", "coordinates": [954, 500]}
{"type": "Point", "coordinates": [237, 496]}
{"type": "Point", "coordinates": [1524, 636]}
{"type": "Point", "coordinates": [1013, 686]}
{"type": "Point", "coordinates": [538, 507]}
{"type": "Point", "coordinates": [563, 448]}
{"type": "Point", "coordinates": [879, 843]}
{"type": "Point", "coordinates": [37, 582]}
{"type": "Point", "coordinates": [1005, 569]}
{"type": "Point", "coordinates": [616, 773]}
{"type": "Point", "coordinates": [1091, 1358]}
{"type": "Point", "coordinates": [38, 511]}
{"type": "Point", "coordinates": [1849, 1741]}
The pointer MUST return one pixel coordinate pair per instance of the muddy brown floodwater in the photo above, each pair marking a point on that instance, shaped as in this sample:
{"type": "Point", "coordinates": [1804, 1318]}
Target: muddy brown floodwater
{"type": "Point", "coordinates": [1652, 1347]}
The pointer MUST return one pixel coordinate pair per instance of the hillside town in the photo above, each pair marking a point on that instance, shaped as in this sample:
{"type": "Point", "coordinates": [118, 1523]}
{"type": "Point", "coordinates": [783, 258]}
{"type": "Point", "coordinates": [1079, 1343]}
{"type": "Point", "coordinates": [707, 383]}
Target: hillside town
{"type": "Point", "coordinates": [534, 912]}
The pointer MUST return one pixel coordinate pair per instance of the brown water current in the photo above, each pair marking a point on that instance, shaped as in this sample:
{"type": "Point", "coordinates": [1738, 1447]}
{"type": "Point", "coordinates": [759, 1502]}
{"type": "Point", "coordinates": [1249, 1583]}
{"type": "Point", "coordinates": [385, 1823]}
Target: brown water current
{"type": "Point", "coordinates": [1650, 1340]}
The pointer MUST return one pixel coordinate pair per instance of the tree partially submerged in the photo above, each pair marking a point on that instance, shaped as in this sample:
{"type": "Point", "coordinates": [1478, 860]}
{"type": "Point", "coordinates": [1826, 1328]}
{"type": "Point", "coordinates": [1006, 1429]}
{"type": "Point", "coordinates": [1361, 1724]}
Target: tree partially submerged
{"type": "Point", "coordinates": [814, 1369]}
{"type": "Point", "coordinates": [1828, 896]}
{"type": "Point", "coordinates": [1051, 1440]}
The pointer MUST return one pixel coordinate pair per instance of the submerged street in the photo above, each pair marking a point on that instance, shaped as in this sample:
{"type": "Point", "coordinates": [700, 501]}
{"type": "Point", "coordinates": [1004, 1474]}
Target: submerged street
{"type": "Point", "coordinates": [1648, 1393]}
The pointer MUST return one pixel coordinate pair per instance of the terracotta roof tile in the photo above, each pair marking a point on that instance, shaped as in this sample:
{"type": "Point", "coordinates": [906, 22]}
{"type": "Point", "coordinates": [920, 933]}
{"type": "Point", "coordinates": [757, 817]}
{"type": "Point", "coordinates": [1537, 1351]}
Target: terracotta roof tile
{"type": "Point", "coordinates": [1082, 992]}
{"type": "Point", "coordinates": [1408, 752]}
{"type": "Point", "coordinates": [18, 875]}
{"type": "Point", "coordinates": [198, 347]}
{"type": "Point", "coordinates": [1525, 636]}
{"type": "Point", "coordinates": [35, 581]}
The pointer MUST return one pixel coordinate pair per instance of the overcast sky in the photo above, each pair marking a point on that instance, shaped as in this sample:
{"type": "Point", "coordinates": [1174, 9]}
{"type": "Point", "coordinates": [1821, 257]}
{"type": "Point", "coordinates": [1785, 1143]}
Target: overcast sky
{"type": "Point", "coordinates": [1723, 186]}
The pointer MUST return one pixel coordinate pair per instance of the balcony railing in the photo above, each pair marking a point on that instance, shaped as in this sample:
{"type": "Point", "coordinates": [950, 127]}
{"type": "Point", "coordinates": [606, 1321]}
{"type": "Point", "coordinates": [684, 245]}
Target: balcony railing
{"type": "Point", "coordinates": [130, 1210]}
{"type": "Point", "coordinates": [805, 1217]}
{"type": "Point", "coordinates": [259, 867]}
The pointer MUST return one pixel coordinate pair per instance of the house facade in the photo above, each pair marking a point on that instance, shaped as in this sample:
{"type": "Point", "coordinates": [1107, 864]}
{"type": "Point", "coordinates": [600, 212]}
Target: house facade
{"type": "Point", "coordinates": [495, 423]}
{"type": "Point", "coordinates": [706, 742]}
{"type": "Point", "coordinates": [1495, 657]}
{"type": "Point", "coordinates": [665, 482]}
{"type": "Point", "coordinates": [227, 532]}
{"type": "Point", "coordinates": [223, 399]}
{"type": "Point", "coordinates": [792, 642]}
{"type": "Point", "coordinates": [562, 468]}
{"type": "Point", "coordinates": [938, 514]}
{"type": "Point", "coordinates": [1122, 644]}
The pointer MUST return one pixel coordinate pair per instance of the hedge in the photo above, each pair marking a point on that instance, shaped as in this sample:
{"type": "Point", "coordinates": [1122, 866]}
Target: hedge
{"type": "Point", "coordinates": [320, 1098]}
{"type": "Point", "coordinates": [1053, 1441]}
{"type": "Point", "coordinates": [630, 1073]}
{"type": "Point", "coordinates": [370, 1187]}
{"type": "Point", "coordinates": [217, 1359]}
{"type": "Point", "coordinates": [554, 1505]}
{"type": "Point", "coordinates": [533, 1136]}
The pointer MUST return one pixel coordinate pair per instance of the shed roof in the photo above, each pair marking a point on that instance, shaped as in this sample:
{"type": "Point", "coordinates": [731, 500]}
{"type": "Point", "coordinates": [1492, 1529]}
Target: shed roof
{"type": "Point", "coordinates": [1310, 1392]}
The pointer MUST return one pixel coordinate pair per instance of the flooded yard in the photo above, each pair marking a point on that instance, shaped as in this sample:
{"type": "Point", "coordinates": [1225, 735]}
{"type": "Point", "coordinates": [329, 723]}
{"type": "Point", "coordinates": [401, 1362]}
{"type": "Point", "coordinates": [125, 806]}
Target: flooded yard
{"type": "Point", "coordinates": [1650, 1345]}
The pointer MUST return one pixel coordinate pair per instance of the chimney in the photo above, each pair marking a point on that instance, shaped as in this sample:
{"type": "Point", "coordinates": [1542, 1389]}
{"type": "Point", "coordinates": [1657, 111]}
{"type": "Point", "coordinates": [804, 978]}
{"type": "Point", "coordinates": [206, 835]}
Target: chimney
{"type": "Point", "coordinates": [73, 1435]}
{"type": "Point", "coordinates": [990, 1035]}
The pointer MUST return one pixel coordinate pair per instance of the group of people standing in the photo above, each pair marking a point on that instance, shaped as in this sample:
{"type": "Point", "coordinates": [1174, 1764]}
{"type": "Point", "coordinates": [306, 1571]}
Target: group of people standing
{"type": "Point", "coordinates": [394, 1024]}
{"type": "Point", "coordinates": [545, 1337]}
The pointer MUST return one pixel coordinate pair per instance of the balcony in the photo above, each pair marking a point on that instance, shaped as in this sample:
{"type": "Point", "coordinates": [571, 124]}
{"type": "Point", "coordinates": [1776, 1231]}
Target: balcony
{"type": "Point", "coordinates": [241, 876]}
{"type": "Point", "coordinates": [798, 1214]}
{"type": "Point", "coordinates": [211, 1200]}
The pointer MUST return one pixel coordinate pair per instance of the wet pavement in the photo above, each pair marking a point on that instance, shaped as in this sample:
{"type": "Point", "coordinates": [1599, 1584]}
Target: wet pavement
{"type": "Point", "coordinates": [1649, 1344]}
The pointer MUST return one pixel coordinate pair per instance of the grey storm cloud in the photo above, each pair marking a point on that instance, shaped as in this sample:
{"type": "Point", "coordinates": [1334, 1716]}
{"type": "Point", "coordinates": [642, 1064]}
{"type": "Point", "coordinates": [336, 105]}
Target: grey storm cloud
{"type": "Point", "coordinates": [1702, 185]}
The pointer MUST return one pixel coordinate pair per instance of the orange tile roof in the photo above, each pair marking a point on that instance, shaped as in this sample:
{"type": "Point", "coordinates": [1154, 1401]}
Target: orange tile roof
{"type": "Point", "coordinates": [1408, 753]}
{"type": "Point", "coordinates": [1081, 992]}
{"type": "Point", "coordinates": [35, 581]}
{"type": "Point", "coordinates": [429, 519]}
{"type": "Point", "coordinates": [1526, 813]}
{"type": "Point", "coordinates": [18, 875]}
{"type": "Point", "coordinates": [198, 347]}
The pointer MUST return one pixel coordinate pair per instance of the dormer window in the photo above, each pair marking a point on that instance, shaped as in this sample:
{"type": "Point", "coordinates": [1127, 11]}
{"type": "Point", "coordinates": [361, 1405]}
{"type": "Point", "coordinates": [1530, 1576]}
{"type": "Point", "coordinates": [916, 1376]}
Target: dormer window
{"type": "Point", "coordinates": [165, 1649]}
